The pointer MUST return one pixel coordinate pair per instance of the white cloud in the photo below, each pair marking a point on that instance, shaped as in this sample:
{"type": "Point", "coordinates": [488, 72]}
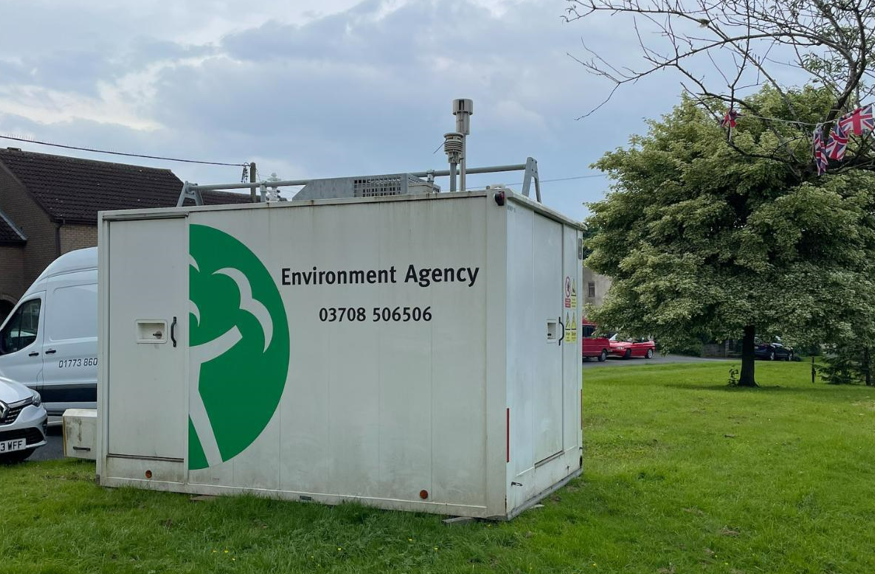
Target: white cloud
{"type": "Point", "coordinates": [318, 88]}
{"type": "Point", "coordinates": [50, 106]}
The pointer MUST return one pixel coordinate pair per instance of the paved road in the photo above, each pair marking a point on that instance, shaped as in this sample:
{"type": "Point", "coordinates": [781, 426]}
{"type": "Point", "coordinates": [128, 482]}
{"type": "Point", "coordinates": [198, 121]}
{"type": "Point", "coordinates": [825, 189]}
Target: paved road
{"type": "Point", "coordinates": [54, 449]}
{"type": "Point", "coordinates": [656, 360]}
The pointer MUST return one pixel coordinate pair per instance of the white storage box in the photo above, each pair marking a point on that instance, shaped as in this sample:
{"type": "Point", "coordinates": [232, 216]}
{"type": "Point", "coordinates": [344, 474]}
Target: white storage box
{"type": "Point", "coordinates": [80, 433]}
{"type": "Point", "coordinates": [413, 352]}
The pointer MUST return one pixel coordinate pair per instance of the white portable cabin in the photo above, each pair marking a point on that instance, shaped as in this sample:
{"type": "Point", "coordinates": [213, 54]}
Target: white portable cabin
{"type": "Point", "coordinates": [413, 352]}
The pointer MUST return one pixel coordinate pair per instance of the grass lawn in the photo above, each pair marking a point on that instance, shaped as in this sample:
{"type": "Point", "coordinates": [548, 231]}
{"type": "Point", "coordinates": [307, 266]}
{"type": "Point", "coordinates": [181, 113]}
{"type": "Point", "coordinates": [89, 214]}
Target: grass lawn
{"type": "Point", "coordinates": [681, 474]}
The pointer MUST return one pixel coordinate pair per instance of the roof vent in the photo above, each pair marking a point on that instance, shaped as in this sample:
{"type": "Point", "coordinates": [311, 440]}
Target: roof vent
{"type": "Point", "coordinates": [367, 186]}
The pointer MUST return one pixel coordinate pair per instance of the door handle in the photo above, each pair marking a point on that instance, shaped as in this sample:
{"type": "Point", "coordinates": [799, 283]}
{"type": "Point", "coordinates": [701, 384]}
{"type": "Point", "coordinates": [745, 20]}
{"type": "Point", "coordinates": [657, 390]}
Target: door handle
{"type": "Point", "coordinates": [51, 351]}
{"type": "Point", "coordinates": [173, 332]}
{"type": "Point", "coordinates": [34, 354]}
{"type": "Point", "coordinates": [561, 324]}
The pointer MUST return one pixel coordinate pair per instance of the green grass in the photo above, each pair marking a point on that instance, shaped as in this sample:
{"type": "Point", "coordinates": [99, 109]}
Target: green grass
{"type": "Point", "coordinates": [681, 474]}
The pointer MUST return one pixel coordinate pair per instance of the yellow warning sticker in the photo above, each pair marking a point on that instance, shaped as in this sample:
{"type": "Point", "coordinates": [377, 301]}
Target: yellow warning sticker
{"type": "Point", "coordinates": [570, 330]}
{"type": "Point", "coordinates": [574, 295]}
{"type": "Point", "coordinates": [574, 327]}
{"type": "Point", "coordinates": [567, 292]}
{"type": "Point", "coordinates": [567, 327]}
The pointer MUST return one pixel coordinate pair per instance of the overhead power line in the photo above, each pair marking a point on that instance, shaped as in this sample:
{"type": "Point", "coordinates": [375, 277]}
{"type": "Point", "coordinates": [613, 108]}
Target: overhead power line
{"type": "Point", "coordinates": [204, 162]}
{"type": "Point", "coordinates": [574, 177]}
{"type": "Point", "coordinates": [94, 150]}
{"type": "Point", "coordinates": [590, 176]}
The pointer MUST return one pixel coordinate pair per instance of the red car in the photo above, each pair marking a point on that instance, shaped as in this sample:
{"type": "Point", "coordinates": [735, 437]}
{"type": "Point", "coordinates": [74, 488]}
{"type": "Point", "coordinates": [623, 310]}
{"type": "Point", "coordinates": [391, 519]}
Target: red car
{"type": "Point", "coordinates": [632, 348]}
{"type": "Point", "coordinates": [594, 346]}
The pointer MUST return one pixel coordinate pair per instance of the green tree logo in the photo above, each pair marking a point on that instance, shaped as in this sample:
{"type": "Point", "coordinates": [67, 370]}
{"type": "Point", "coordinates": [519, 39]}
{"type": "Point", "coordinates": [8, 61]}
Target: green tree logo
{"type": "Point", "coordinates": [238, 347]}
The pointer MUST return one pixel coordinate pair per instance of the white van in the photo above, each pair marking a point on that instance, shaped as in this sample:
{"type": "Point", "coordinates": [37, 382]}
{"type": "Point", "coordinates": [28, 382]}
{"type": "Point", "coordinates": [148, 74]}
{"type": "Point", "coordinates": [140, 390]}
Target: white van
{"type": "Point", "coordinates": [49, 341]}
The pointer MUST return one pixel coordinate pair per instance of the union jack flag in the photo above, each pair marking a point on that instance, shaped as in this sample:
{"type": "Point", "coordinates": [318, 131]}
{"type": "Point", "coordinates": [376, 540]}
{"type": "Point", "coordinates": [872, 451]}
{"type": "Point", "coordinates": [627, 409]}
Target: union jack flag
{"type": "Point", "coordinates": [837, 144]}
{"type": "Point", "coordinates": [858, 121]}
{"type": "Point", "coordinates": [729, 120]}
{"type": "Point", "coordinates": [820, 159]}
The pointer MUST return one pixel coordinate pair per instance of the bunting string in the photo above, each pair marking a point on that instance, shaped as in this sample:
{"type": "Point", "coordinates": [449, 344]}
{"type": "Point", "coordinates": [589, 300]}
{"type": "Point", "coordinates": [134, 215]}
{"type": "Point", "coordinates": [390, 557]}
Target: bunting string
{"type": "Point", "coordinates": [858, 122]}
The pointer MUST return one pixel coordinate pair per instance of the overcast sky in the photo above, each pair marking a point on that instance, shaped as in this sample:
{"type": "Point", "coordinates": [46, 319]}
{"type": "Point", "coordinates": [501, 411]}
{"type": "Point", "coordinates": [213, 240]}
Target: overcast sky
{"type": "Point", "coordinates": [318, 88]}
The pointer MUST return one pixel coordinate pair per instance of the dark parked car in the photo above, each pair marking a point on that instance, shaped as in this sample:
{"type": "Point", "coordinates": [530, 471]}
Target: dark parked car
{"type": "Point", "coordinates": [775, 351]}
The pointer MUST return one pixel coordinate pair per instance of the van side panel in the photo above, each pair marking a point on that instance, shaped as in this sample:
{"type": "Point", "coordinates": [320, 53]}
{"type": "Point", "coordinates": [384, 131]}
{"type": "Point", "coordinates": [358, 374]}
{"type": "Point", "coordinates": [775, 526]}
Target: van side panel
{"type": "Point", "coordinates": [70, 342]}
{"type": "Point", "coordinates": [67, 289]}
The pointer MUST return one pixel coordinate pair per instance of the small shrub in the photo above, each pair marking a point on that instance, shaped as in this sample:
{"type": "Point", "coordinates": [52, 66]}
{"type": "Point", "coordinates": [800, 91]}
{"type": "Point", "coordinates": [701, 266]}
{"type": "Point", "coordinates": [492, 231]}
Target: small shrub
{"type": "Point", "coordinates": [733, 376]}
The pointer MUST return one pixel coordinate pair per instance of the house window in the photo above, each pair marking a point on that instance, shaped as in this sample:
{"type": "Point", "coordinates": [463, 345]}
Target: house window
{"type": "Point", "coordinates": [591, 288]}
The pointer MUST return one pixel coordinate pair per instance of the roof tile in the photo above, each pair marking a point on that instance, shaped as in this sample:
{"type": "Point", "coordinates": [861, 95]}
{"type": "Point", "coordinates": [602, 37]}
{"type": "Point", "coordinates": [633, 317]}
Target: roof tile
{"type": "Point", "coordinates": [74, 189]}
{"type": "Point", "coordinates": [9, 234]}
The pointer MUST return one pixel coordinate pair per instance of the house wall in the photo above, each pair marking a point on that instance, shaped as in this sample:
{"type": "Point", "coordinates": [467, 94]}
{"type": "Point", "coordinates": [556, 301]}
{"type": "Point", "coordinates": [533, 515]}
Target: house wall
{"type": "Point", "coordinates": [11, 274]}
{"type": "Point", "coordinates": [601, 283]}
{"type": "Point", "coordinates": [78, 237]}
{"type": "Point", "coordinates": [41, 248]}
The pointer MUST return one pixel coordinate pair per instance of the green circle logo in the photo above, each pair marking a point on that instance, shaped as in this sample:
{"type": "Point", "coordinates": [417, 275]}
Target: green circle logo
{"type": "Point", "coordinates": [238, 347]}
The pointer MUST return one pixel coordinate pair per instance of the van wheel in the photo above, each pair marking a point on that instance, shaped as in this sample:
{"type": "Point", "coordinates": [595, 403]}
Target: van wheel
{"type": "Point", "coordinates": [603, 356]}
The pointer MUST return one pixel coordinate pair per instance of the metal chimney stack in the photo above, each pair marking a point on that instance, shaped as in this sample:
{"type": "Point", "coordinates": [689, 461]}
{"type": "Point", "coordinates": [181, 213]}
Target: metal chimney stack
{"type": "Point", "coordinates": [454, 144]}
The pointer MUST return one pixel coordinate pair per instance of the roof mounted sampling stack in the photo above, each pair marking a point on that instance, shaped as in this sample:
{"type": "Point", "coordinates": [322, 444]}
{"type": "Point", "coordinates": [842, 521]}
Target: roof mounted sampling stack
{"type": "Point", "coordinates": [388, 184]}
{"type": "Point", "coordinates": [412, 351]}
{"type": "Point", "coordinates": [454, 142]}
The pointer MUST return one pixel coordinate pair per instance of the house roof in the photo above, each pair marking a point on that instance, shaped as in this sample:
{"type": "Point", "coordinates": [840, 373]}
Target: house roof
{"type": "Point", "coordinates": [10, 234]}
{"type": "Point", "coordinates": [74, 190]}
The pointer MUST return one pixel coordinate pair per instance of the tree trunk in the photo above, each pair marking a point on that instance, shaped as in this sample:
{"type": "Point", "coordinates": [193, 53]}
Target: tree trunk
{"type": "Point", "coordinates": [747, 358]}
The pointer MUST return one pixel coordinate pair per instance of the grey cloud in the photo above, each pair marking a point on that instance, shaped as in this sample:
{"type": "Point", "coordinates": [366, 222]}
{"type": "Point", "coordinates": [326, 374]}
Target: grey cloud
{"type": "Point", "coordinates": [143, 51]}
{"type": "Point", "coordinates": [70, 70]}
{"type": "Point", "coordinates": [352, 36]}
{"type": "Point", "coordinates": [347, 80]}
{"type": "Point", "coordinates": [352, 93]}
{"type": "Point", "coordinates": [13, 72]}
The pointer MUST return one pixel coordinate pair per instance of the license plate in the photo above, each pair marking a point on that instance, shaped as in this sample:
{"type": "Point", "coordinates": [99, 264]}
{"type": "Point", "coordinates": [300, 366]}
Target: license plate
{"type": "Point", "coordinates": [12, 445]}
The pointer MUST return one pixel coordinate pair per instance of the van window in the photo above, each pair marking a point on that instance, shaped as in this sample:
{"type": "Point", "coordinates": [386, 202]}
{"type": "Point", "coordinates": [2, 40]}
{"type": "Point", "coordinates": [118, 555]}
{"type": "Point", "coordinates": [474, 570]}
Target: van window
{"type": "Point", "coordinates": [73, 313]}
{"type": "Point", "coordinates": [588, 330]}
{"type": "Point", "coordinates": [22, 328]}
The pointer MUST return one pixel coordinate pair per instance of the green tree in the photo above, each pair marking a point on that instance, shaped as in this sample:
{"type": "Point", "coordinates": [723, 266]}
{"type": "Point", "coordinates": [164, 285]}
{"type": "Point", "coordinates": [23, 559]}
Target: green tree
{"type": "Point", "coordinates": [589, 231]}
{"type": "Point", "coordinates": [723, 52]}
{"type": "Point", "coordinates": [849, 362]}
{"type": "Point", "coordinates": [704, 242]}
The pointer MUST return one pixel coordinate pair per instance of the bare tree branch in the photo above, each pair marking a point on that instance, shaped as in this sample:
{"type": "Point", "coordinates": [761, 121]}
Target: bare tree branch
{"type": "Point", "coordinates": [828, 42]}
